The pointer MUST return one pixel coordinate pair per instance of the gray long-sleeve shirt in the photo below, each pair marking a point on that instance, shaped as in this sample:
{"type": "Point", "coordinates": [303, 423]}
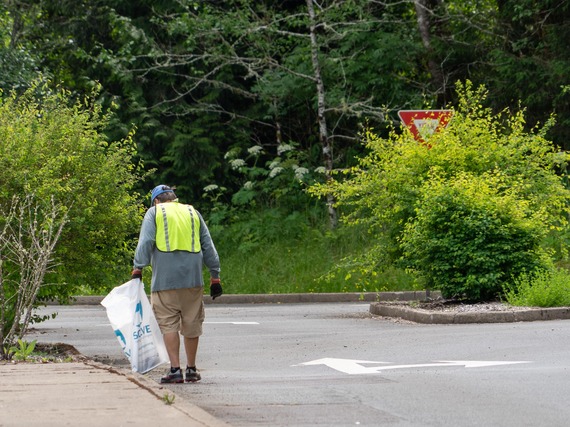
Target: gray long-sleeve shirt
{"type": "Point", "coordinates": [179, 269]}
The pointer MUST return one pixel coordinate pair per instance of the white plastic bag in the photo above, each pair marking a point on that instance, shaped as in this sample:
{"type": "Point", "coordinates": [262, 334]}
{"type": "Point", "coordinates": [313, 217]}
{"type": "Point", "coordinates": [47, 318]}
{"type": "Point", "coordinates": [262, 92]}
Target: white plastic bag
{"type": "Point", "coordinates": [135, 326]}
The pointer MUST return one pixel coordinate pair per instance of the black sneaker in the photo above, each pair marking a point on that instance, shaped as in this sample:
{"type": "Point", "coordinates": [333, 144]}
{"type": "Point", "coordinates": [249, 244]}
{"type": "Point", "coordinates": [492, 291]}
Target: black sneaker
{"type": "Point", "coordinates": [192, 375]}
{"type": "Point", "coordinates": [172, 377]}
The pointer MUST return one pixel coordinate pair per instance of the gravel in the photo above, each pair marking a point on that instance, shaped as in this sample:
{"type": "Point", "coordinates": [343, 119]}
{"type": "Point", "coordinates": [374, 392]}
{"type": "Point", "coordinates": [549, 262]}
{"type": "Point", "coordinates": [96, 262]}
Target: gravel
{"type": "Point", "coordinates": [453, 307]}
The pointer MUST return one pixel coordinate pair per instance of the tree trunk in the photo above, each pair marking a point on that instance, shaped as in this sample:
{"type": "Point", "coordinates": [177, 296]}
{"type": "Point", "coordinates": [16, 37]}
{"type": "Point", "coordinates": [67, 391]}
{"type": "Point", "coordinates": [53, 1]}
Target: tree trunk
{"type": "Point", "coordinates": [424, 10]}
{"type": "Point", "coordinates": [323, 129]}
{"type": "Point", "coordinates": [17, 24]}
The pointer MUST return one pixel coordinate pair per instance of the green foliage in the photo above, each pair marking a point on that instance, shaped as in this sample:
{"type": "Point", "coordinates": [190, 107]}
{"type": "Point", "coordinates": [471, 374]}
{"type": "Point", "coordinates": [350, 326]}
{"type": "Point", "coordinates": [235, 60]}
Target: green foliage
{"type": "Point", "coordinates": [23, 350]}
{"type": "Point", "coordinates": [18, 67]}
{"type": "Point", "coordinates": [529, 62]}
{"type": "Point", "coordinates": [479, 156]}
{"type": "Point", "coordinates": [471, 234]}
{"type": "Point", "coordinates": [302, 263]}
{"type": "Point", "coordinates": [272, 223]}
{"type": "Point", "coordinates": [168, 398]}
{"type": "Point", "coordinates": [197, 78]}
{"type": "Point", "coordinates": [272, 180]}
{"type": "Point", "coordinates": [53, 146]}
{"type": "Point", "coordinates": [541, 288]}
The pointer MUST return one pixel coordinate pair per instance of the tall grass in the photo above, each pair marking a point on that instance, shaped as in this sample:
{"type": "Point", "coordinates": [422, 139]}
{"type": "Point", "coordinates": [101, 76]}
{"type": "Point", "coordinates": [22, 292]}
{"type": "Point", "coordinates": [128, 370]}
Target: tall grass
{"type": "Point", "coordinates": [549, 288]}
{"type": "Point", "coordinates": [301, 264]}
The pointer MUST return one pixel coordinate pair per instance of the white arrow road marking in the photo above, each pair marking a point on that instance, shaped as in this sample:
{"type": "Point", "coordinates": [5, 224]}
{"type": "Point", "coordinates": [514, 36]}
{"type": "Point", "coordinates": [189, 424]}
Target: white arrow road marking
{"type": "Point", "coordinates": [347, 366]}
{"type": "Point", "coordinates": [479, 363]}
{"type": "Point", "coordinates": [354, 367]}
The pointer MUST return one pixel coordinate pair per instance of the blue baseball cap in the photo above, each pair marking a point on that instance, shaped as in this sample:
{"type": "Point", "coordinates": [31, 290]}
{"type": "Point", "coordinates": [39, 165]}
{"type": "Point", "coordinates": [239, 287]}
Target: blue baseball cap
{"type": "Point", "coordinates": [158, 190]}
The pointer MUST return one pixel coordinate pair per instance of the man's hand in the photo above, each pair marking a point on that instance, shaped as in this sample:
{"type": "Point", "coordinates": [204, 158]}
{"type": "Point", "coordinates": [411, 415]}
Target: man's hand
{"type": "Point", "coordinates": [215, 288]}
{"type": "Point", "coordinates": [136, 274]}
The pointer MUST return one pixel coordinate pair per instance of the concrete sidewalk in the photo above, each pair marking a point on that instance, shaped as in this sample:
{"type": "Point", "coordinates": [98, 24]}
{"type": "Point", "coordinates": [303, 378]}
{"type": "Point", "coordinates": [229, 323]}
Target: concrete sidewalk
{"type": "Point", "coordinates": [88, 393]}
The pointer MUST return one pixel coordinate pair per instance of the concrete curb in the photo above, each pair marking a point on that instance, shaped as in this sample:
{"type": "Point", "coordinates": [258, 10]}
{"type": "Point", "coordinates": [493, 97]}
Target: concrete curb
{"type": "Point", "coordinates": [192, 411]}
{"type": "Point", "coordinates": [292, 298]}
{"type": "Point", "coordinates": [424, 316]}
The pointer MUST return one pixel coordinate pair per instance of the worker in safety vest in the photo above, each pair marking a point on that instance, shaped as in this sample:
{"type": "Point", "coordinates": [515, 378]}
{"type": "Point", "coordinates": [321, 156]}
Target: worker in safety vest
{"type": "Point", "coordinates": [174, 240]}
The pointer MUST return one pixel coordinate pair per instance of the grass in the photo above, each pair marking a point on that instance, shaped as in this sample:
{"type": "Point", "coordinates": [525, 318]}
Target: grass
{"type": "Point", "coordinates": [301, 266]}
{"type": "Point", "coordinates": [541, 289]}
{"type": "Point", "coordinates": [168, 398]}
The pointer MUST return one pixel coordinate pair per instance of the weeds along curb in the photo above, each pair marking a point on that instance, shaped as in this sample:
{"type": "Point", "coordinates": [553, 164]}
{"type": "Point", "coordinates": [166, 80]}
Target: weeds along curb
{"type": "Point", "coordinates": [425, 316]}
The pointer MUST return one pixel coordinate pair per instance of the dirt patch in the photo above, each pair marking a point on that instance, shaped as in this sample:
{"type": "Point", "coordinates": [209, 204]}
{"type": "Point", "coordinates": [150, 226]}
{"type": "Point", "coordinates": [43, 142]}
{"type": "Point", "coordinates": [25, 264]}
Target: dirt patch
{"type": "Point", "coordinates": [51, 353]}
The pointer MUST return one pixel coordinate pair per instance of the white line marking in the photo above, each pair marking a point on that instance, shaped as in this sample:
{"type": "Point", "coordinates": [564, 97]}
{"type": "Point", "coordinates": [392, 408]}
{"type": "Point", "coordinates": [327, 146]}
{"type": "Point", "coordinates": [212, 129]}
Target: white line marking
{"type": "Point", "coordinates": [215, 323]}
{"type": "Point", "coordinates": [234, 323]}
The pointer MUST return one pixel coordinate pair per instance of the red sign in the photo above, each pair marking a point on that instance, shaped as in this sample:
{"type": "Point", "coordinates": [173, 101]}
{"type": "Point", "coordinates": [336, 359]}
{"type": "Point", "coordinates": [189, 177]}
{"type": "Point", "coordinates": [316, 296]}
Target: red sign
{"type": "Point", "coordinates": [424, 123]}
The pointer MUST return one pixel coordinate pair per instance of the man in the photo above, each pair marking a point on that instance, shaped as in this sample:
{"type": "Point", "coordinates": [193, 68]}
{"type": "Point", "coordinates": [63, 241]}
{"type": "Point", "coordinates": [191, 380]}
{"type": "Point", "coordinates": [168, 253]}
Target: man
{"type": "Point", "coordinates": [176, 243]}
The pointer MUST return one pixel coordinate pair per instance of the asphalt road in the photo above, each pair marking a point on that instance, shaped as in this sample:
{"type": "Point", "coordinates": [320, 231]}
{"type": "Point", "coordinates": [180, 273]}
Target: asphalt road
{"type": "Point", "coordinates": [333, 364]}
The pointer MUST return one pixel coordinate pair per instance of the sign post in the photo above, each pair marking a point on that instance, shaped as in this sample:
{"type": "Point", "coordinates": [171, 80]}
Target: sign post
{"type": "Point", "coordinates": [424, 123]}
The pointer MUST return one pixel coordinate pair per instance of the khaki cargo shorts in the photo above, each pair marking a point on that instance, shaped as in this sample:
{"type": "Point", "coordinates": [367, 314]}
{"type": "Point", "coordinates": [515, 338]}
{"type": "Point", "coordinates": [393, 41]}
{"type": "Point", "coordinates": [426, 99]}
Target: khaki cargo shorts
{"type": "Point", "coordinates": [179, 310]}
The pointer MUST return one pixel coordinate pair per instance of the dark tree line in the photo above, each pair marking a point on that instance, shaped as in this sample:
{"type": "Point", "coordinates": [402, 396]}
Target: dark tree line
{"type": "Point", "coordinates": [198, 79]}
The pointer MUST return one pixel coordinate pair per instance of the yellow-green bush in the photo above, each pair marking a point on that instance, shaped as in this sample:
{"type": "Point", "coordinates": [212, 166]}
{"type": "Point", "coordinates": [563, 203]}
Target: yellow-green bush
{"type": "Point", "coordinates": [496, 186]}
{"type": "Point", "coordinates": [53, 145]}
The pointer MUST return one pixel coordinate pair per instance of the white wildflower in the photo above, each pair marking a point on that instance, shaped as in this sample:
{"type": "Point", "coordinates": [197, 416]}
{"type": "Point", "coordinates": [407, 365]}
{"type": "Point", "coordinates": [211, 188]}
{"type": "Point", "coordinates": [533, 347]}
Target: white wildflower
{"type": "Point", "coordinates": [237, 163]}
{"type": "Point", "coordinates": [275, 171]}
{"type": "Point", "coordinates": [211, 187]}
{"type": "Point", "coordinates": [232, 154]}
{"type": "Point", "coordinates": [283, 148]}
{"type": "Point", "coordinates": [274, 164]}
{"type": "Point", "coordinates": [248, 185]}
{"type": "Point", "coordinates": [255, 150]}
{"type": "Point", "coordinates": [301, 172]}
{"type": "Point", "coordinates": [320, 169]}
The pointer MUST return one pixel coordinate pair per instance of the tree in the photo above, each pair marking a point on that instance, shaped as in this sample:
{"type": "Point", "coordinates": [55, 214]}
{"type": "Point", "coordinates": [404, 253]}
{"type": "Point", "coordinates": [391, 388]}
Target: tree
{"type": "Point", "coordinates": [531, 63]}
{"type": "Point", "coordinates": [198, 79]}
{"type": "Point", "coordinates": [517, 49]}
{"type": "Point", "coordinates": [424, 9]}
{"type": "Point", "coordinates": [29, 233]}
{"type": "Point", "coordinates": [270, 68]}
{"type": "Point", "coordinates": [18, 67]}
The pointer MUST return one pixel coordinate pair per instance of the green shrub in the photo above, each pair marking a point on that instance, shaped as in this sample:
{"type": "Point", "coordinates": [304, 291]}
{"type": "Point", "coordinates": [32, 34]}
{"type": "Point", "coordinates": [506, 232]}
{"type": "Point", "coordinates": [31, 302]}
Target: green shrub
{"type": "Point", "coordinates": [469, 237]}
{"type": "Point", "coordinates": [542, 288]}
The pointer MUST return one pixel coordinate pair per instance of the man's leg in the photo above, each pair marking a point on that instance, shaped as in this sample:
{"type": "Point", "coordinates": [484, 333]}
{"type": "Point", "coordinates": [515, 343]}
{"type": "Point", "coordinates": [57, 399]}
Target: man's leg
{"type": "Point", "coordinates": [172, 343]}
{"type": "Point", "coordinates": [191, 346]}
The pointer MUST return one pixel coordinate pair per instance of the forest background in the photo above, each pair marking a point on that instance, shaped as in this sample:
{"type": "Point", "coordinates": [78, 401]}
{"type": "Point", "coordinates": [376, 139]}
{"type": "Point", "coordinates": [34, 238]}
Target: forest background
{"type": "Point", "coordinates": [243, 105]}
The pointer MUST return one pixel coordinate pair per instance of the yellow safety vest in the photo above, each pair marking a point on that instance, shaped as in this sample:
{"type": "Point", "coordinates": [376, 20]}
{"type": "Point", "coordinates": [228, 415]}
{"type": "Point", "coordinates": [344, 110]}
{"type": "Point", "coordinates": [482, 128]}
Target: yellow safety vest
{"type": "Point", "coordinates": [177, 228]}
